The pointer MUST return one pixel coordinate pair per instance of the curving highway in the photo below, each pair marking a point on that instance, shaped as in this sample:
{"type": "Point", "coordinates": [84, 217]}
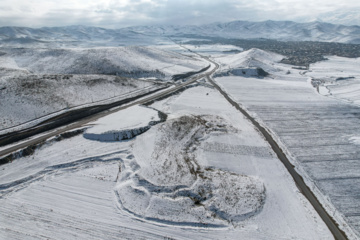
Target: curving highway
{"type": "Point", "coordinates": [36, 138]}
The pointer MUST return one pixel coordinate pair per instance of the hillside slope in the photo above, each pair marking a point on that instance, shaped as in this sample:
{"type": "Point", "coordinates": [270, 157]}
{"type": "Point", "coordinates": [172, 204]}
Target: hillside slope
{"type": "Point", "coordinates": [38, 82]}
{"type": "Point", "coordinates": [251, 63]}
{"type": "Point", "coordinates": [123, 61]}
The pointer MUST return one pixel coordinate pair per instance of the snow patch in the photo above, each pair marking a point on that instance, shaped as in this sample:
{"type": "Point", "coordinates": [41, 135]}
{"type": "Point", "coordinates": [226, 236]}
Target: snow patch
{"type": "Point", "coordinates": [125, 124]}
{"type": "Point", "coordinates": [355, 140]}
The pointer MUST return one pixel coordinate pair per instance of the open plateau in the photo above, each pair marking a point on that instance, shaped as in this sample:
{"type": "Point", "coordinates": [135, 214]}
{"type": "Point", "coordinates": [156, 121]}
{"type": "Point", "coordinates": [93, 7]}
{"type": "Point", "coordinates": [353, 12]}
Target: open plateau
{"type": "Point", "coordinates": [239, 130]}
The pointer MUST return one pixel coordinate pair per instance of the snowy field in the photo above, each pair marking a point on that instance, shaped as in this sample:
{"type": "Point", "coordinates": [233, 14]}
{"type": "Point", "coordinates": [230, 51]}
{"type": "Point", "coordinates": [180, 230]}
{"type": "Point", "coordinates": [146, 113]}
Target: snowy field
{"type": "Point", "coordinates": [339, 78]}
{"type": "Point", "coordinates": [205, 173]}
{"type": "Point", "coordinates": [320, 134]}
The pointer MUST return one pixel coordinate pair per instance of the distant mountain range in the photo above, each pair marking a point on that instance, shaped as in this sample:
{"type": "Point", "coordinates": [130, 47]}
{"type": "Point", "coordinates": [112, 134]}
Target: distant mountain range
{"type": "Point", "coordinates": [345, 17]}
{"type": "Point", "coordinates": [147, 35]}
{"type": "Point", "coordinates": [71, 36]}
{"type": "Point", "coordinates": [279, 30]}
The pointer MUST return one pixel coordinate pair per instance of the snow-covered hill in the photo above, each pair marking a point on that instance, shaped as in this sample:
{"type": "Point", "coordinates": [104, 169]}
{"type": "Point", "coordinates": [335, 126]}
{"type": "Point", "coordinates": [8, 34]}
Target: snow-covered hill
{"type": "Point", "coordinates": [251, 63]}
{"type": "Point", "coordinates": [38, 82]}
{"type": "Point", "coordinates": [75, 36]}
{"type": "Point", "coordinates": [123, 61]}
{"type": "Point", "coordinates": [230, 184]}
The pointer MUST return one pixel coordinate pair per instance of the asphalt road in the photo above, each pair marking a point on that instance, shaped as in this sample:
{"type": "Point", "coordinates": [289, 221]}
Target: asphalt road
{"type": "Point", "coordinates": [78, 124]}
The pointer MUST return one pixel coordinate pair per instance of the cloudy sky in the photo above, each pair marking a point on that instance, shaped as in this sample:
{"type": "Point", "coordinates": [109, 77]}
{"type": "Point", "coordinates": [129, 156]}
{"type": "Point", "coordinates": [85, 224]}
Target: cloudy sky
{"type": "Point", "coordinates": [123, 13]}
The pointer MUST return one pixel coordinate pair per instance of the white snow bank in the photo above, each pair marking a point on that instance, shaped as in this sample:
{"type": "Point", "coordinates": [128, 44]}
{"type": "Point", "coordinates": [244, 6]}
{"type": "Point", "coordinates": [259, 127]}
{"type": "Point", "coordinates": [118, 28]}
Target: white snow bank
{"type": "Point", "coordinates": [355, 140]}
{"type": "Point", "coordinates": [124, 124]}
{"type": "Point", "coordinates": [170, 186]}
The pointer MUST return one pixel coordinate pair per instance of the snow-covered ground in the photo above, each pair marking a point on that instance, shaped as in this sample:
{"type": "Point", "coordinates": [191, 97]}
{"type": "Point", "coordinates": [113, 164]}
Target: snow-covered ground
{"type": "Point", "coordinates": [338, 77]}
{"type": "Point", "coordinates": [205, 173]}
{"type": "Point", "coordinates": [37, 82]}
{"type": "Point", "coordinates": [319, 134]}
{"type": "Point", "coordinates": [251, 63]}
{"type": "Point", "coordinates": [124, 124]}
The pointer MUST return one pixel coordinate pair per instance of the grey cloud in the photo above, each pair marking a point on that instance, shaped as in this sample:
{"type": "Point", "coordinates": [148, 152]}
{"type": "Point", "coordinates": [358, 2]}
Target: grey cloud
{"type": "Point", "coordinates": [116, 14]}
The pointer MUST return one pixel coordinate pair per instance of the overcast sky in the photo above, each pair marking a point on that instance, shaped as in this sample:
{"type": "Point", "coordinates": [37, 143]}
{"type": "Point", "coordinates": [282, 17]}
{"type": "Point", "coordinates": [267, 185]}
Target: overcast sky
{"type": "Point", "coordinates": [123, 13]}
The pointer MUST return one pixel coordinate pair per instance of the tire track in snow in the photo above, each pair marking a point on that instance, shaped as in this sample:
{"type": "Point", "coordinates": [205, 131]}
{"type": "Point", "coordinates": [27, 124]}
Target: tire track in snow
{"type": "Point", "coordinates": [58, 169]}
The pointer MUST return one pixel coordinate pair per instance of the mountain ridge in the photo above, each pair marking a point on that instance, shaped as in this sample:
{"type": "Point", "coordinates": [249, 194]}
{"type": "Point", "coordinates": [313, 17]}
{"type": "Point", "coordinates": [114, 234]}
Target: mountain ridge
{"type": "Point", "coordinates": [98, 36]}
{"type": "Point", "coordinates": [277, 30]}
